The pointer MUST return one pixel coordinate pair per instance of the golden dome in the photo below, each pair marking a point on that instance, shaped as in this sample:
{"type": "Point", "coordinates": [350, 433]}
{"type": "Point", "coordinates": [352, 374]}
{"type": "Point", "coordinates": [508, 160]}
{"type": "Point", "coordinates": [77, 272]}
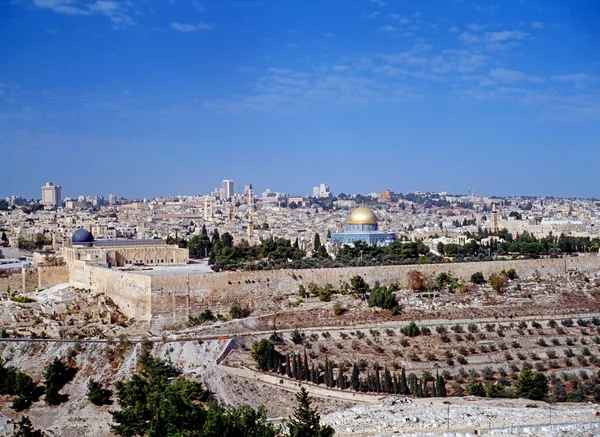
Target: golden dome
{"type": "Point", "coordinates": [363, 216]}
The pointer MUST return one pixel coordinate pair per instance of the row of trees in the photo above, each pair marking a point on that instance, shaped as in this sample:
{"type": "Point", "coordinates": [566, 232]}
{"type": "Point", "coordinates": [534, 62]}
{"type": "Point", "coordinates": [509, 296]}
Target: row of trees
{"type": "Point", "coordinates": [394, 253]}
{"type": "Point", "coordinates": [524, 244]}
{"type": "Point", "coordinates": [529, 385]}
{"type": "Point", "coordinates": [296, 366]}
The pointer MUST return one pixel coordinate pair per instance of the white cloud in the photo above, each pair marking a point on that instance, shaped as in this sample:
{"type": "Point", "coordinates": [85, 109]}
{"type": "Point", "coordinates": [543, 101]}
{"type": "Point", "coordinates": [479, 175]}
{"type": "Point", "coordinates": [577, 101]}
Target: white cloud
{"type": "Point", "coordinates": [537, 25]}
{"type": "Point", "coordinates": [494, 40]}
{"type": "Point", "coordinates": [453, 29]}
{"type": "Point", "coordinates": [510, 76]}
{"type": "Point", "coordinates": [371, 16]}
{"type": "Point", "coordinates": [52, 31]}
{"type": "Point", "coordinates": [115, 11]}
{"type": "Point", "coordinates": [181, 27]}
{"type": "Point", "coordinates": [400, 19]}
{"type": "Point", "coordinates": [386, 28]}
{"type": "Point", "coordinates": [469, 38]}
{"type": "Point", "coordinates": [104, 6]}
{"type": "Point", "coordinates": [60, 6]}
{"type": "Point", "coordinates": [505, 35]}
{"type": "Point", "coordinates": [378, 2]}
{"type": "Point", "coordinates": [576, 79]}
{"type": "Point", "coordinates": [198, 5]}
{"type": "Point", "coordinates": [476, 27]}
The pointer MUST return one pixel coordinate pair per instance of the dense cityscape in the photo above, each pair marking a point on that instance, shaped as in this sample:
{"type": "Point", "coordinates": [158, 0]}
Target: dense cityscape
{"type": "Point", "coordinates": [242, 218]}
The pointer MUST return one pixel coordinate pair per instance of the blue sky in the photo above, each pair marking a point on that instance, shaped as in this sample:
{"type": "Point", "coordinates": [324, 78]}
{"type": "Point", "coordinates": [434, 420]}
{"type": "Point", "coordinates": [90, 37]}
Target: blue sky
{"type": "Point", "coordinates": [151, 97]}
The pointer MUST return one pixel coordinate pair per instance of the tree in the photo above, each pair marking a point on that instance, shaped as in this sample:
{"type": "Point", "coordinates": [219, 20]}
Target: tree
{"type": "Point", "coordinates": [496, 390]}
{"type": "Point", "coordinates": [4, 240]}
{"type": "Point", "coordinates": [532, 385]}
{"type": "Point", "coordinates": [237, 312]}
{"type": "Point", "coordinates": [226, 240]}
{"type": "Point", "coordinates": [499, 282]}
{"type": "Point", "coordinates": [262, 352]}
{"type": "Point", "coordinates": [97, 394]}
{"type": "Point", "coordinates": [25, 429]}
{"type": "Point", "coordinates": [476, 388]}
{"type": "Point", "coordinates": [477, 278]}
{"type": "Point", "coordinates": [383, 297]}
{"type": "Point", "coordinates": [305, 421]}
{"type": "Point", "coordinates": [416, 280]}
{"type": "Point", "coordinates": [355, 378]}
{"type": "Point", "coordinates": [317, 242]}
{"type": "Point", "coordinates": [56, 375]}
{"type": "Point", "coordinates": [359, 286]}
{"type": "Point", "coordinates": [411, 330]}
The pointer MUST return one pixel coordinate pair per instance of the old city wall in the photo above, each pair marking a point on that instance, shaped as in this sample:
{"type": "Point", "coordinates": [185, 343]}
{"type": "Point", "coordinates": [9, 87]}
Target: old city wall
{"type": "Point", "coordinates": [174, 298]}
{"type": "Point", "coordinates": [129, 291]}
{"type": "Point", "coordinates": [31, 279]}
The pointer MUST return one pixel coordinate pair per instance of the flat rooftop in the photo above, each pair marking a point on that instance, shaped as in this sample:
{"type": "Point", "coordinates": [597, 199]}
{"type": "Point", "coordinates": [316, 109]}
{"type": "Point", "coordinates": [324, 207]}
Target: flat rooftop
{"type": "Point", "coordinates": [192, 268]}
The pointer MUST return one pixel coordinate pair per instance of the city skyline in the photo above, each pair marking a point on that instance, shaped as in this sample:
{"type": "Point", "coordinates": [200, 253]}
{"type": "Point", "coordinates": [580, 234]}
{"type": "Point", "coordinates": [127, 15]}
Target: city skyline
{"type": "Point", "coordinates": [166, 99]}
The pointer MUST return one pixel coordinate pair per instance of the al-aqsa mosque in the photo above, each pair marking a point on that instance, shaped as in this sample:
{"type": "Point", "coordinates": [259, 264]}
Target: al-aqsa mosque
{"type": "Point", "coordinates": [362, 226]}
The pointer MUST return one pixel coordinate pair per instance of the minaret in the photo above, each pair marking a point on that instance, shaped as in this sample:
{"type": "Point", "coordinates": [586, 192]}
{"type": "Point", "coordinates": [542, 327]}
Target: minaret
{"type": "Point", "coordinates": [494, 226]}
{"type": "Point", "coordinates": [250, 198]}
{"type": "Point", "coordinates": [250, 229]}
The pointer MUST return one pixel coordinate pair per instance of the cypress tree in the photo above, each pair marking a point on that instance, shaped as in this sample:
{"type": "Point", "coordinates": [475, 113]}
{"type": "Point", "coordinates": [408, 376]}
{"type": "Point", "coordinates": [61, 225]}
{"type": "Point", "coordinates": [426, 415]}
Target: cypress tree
{"type": "Point", "coordinates": [355, 379]}
{"type": "Point", "coordinates": [294, 367]}
{"type": "Point", "coordinates": [403, 385]}
{"type": "Point", "coordinates": [377, 379]}
{"type": "Point", "coordinates": [425, 388]}
{"type": "Point", "coordinates": [288, 366]}
{"type": "Point", "coordinates": [317, 244]}
{"type": "Point", "coordinates": [330, 375]}
{"type": "Point", "coordinates": [326, 372]}
{"type": "Point", "coordinates": [300, 368]}
{"type": "Point", "coordinates": [306, 371]}
{"type": "Point", "coordinates": [419, 388]}
{"type": "Point", "coordinates": [441, 391]}
{"type": "Point", "coordinates": [395, 385]}
{"type": "Point", "coordinates": [387, 381]}
{"type": "Point", "coordinates": [314, 375]}
{"type": "Point", "coordinates": [274, 366]}
{"type": "Point", "coordinates": [340, 380]}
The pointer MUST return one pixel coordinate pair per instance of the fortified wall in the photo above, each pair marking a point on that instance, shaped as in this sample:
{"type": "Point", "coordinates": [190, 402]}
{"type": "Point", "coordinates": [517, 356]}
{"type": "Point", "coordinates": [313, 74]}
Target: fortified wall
{"type": "Point", "coordinates": [27, 280]}
{"type": "Point", "coordinates": [174, 298]}
{"type": "Point", "coordinates": [171, 298]}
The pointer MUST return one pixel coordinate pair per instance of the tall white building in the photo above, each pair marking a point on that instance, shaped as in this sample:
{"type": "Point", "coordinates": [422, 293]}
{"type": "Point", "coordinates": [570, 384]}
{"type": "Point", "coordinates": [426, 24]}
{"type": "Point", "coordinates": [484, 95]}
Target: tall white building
{"type": "Point", "coordinates": [227, 189]}
{"type": "Point", "coordinates": [112, 199]}
{"type": "Point", "coordinates": [321, 191]}
{"type": "Point", "coordinates": [51, 195]}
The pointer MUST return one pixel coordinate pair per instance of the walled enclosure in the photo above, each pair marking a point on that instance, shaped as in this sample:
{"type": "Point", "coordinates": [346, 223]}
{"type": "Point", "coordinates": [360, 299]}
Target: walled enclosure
{"type": "Point", "coordinates": [174, 298]}
{"type": "Point", "coordinates": [168, 299]}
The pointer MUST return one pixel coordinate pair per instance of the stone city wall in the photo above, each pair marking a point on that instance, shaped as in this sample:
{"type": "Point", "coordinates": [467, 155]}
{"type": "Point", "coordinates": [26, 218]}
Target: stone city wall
{"type": "Point", "coordinates": [168, 299]}
{"type": "Point", "coordinates": [36, 278]}
{"type": "Point", "coordinates": [129, 291]}
{"type": "Point", "coordinates": [175, 297]}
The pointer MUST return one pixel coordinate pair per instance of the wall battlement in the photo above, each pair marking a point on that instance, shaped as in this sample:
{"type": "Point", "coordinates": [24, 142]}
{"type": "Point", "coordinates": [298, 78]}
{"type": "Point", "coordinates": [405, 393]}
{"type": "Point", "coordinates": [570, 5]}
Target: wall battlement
{"type": "Point", "coordinates": [169, 299]}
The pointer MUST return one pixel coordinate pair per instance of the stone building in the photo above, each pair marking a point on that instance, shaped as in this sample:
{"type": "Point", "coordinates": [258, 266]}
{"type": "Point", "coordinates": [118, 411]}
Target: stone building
{"type": "Point", "coordinates": [362, 226]}
{"type": "Point", "coordinates": [118, 253]}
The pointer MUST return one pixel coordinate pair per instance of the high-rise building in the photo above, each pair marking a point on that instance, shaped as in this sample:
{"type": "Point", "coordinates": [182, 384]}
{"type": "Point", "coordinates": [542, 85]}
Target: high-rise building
{"type": "Point", "coordinates": [112, 199]}
{"type": "Point", "coordinates": [51, 195]}
{"type": "Point", "coordinates": [321, 191]}
{"type": "Point", "coordinates": [227, 189]}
